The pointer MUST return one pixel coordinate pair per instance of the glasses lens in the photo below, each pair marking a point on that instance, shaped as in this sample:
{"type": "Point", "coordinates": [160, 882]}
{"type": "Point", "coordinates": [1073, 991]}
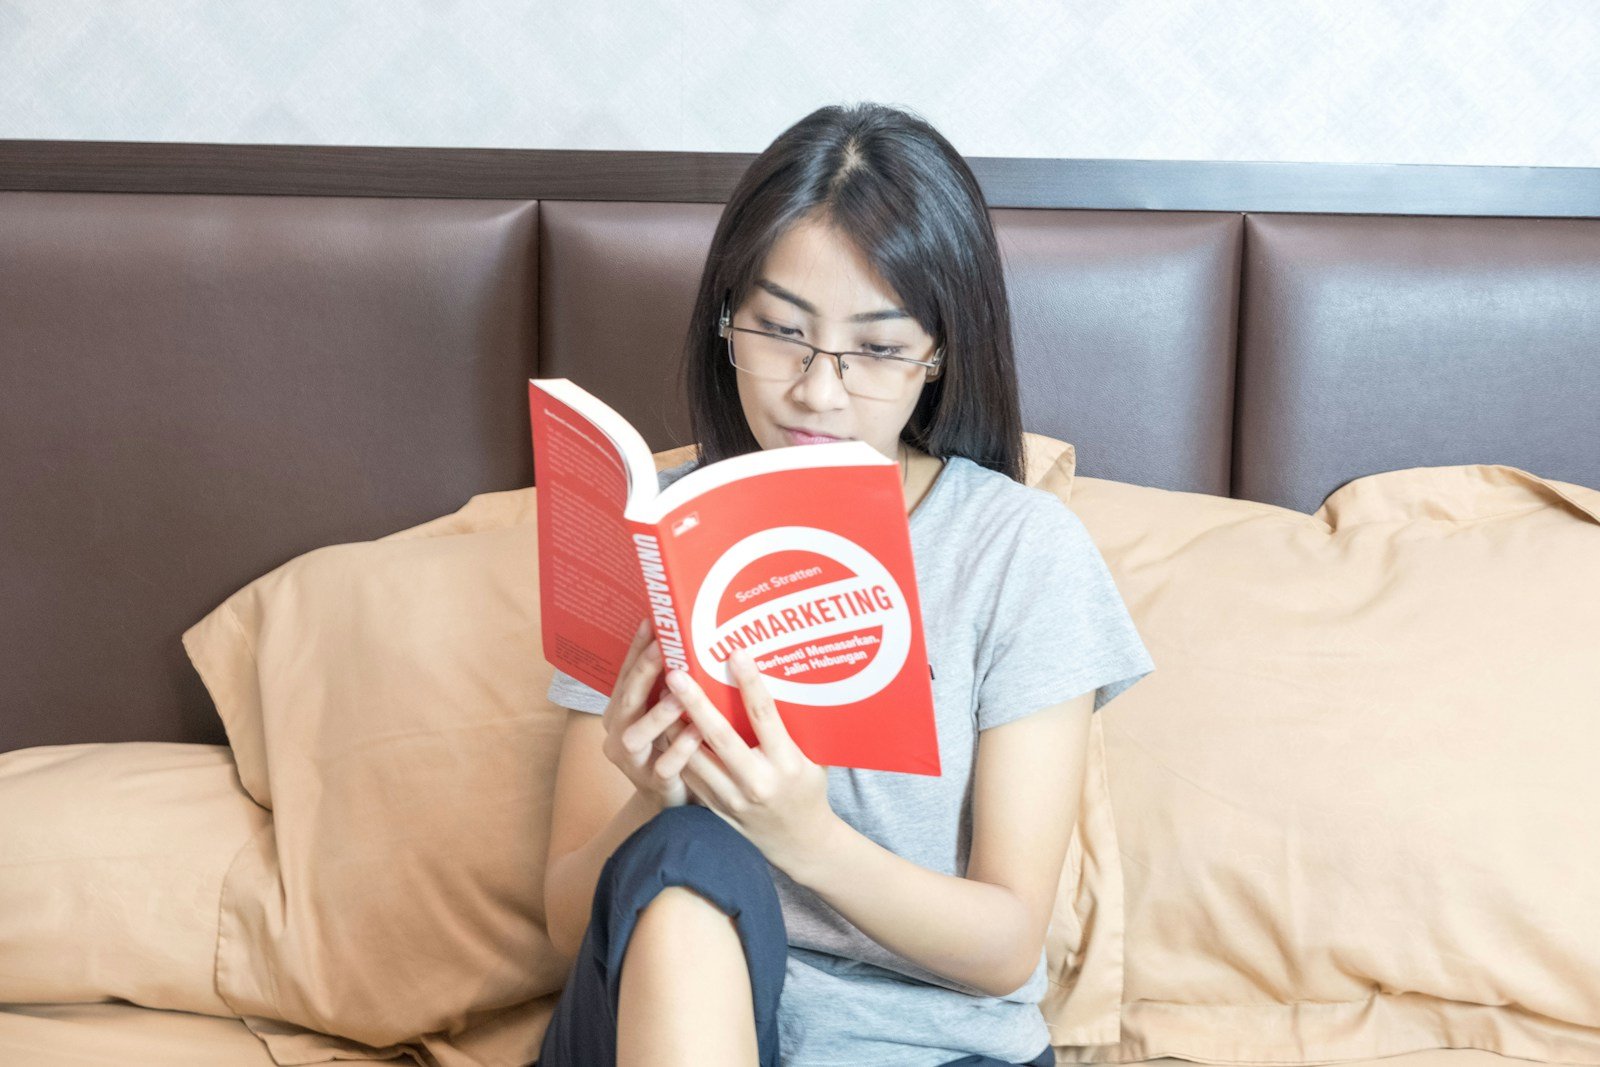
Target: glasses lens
{"type": "Point", "coordinates": [769, 356]}
{"type": "Point", "coordinates": [782, 359]}
{"type": "Point", "coordinates": [877, 377]}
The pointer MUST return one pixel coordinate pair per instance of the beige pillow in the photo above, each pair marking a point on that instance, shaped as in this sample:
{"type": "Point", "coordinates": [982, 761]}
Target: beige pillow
{"type": "Point", "coordinates": [385, 699]}
{"type": "Point", "coordinates": [112, 858]}
{"type": "Point", "coordinates": [1084, 944]}
{"type": "Point", "coordinates": [118, 1034]}
{"type": "Point", "coordinates": [1358, 806]}
{"type": "Point", "coordinates": [1049, 464]}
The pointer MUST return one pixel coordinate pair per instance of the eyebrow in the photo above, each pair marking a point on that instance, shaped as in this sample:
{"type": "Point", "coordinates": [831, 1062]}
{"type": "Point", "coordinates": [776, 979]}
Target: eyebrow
{"type": "Point", "coordinates": [805, 305]}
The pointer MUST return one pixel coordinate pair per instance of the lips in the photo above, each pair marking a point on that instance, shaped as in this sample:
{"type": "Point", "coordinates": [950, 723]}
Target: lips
{"type": "Point", "coordinates": [802, 437]}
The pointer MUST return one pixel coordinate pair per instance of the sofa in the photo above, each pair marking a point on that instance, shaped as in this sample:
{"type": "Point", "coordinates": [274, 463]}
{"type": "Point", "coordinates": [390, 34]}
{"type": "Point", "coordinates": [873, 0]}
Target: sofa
{"type": "Point", "coordinates": [273, 745]}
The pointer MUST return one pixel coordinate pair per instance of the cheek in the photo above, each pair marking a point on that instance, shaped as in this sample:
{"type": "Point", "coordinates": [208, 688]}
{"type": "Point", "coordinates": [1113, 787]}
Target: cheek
{"type": "Point", "coordinates": [751, 403]}
{"type": "Point", "coordinates": [909, 407]}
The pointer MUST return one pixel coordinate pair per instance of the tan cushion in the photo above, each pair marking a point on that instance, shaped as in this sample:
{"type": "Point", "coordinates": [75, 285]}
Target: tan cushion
{"type": "Point", "coordinates": [112, 858]}
{"type": "Point", "coordinates": [1357, 806]}
{"type": "Point", "coordinates": [116, 1034]}
{"type": "Point", "coordinates": [120, 1035]}
{"type": "Point", "coordinates": [1084, 944]}
{"type": "Point", "coordinates": [1049, 464]}
{"type": "Point", "coordinates": [385, 699]}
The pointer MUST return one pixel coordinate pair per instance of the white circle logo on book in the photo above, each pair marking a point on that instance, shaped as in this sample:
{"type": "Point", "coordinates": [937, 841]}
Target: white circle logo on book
{"type": "Point", "coordinates": [822, 618]}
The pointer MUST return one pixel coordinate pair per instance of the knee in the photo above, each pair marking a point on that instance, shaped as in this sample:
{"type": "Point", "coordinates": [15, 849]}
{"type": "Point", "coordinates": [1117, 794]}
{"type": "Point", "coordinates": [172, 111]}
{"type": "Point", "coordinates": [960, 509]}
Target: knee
{"type": "Point", "coordinates": [696, 844]}
{"type": "Point", "coordinates": [682, 909]}
{"type": "Point", "coordinates": [693, 848]}
{"type": "Point", "coordinates": [679, 924]}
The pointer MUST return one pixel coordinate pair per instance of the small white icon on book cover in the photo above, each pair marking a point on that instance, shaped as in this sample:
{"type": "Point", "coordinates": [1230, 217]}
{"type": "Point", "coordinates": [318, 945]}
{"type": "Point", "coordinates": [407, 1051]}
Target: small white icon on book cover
{"type": "Point", "coordinates": [685, 524]}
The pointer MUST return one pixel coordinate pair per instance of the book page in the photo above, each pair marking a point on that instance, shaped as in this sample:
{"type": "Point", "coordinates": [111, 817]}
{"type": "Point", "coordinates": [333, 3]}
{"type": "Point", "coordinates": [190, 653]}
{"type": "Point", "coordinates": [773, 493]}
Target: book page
{"type": "Point", "coordinates": [590, 593]}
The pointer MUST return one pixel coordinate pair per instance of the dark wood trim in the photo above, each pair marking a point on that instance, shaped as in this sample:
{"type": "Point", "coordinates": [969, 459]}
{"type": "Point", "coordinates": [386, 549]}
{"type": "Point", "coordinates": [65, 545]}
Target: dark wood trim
{"type": "Point", "coordinates": [339, 170]}
{"type": "Point", "coordinates": [1332, 188]}
{"type": "Point", "coordinates": [708, 177]}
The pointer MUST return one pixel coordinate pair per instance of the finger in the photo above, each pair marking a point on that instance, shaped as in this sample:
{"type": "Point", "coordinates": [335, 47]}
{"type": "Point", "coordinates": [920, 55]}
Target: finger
{"type": "Point", "coordinates": [717, 732]}
{"type": "Point", "coordinates": [712, 776]}
{"type": "Point", "coordinates": [641, 634]}
{"type": "Point", "coordinates": [636, 679]}
{"type": "Point", "coordinates": [636, 646]}
{"type": "Point", "coordinates": [644, 730]}
{"type": "Point", "coordinates": [670, 763]}
{"type": "Point", "coordinates": [771, 733]}
{"type": "Point", "coordinates": [670, 734]}
{"type": "Point", "coordinates": [706, 779]}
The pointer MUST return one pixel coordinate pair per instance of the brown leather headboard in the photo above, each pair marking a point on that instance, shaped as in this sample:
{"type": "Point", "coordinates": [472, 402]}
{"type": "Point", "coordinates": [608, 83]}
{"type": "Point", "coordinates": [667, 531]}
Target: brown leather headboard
{"type": "Point", "coordinates": [195, 388]}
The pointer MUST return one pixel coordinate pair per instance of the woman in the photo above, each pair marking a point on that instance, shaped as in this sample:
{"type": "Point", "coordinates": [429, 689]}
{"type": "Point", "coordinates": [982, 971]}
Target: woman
{"type": "Point", "coordinates": [734, 904]}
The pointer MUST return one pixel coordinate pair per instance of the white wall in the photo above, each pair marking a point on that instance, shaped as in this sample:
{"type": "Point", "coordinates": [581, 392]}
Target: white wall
{"type": "Point", "coordinates": [1381, 81]}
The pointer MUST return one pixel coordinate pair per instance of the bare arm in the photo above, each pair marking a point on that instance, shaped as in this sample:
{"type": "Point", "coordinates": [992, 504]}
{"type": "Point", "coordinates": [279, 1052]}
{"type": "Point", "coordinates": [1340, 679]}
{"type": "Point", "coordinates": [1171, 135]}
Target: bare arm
{"type": "Point", "coordinates": [986, 930]}
{"type": "Point", "coordinates": [610, 780]}
{"type": "Point", "coordinates": [596, 809]}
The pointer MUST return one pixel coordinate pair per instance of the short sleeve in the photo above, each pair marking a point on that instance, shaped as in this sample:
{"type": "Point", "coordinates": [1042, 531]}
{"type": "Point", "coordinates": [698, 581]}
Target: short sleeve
{"type": "Point", "coordinates": [1059, 628]}
{"type": "Point", "coordinates": [567, 692]}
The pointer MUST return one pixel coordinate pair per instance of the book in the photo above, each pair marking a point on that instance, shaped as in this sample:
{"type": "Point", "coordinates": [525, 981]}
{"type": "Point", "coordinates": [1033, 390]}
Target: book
{"type": "Point", "coordinates": [799, 555]}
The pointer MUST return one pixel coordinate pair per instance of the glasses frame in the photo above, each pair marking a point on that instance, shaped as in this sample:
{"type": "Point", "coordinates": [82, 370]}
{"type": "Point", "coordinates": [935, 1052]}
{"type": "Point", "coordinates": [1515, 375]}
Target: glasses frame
{"type": "Point", "coordinates": [726, 329]}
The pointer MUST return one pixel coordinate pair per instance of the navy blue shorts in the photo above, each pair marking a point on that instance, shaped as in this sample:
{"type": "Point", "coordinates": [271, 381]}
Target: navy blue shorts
{"type": "Point", "coordinates": [693, 847]}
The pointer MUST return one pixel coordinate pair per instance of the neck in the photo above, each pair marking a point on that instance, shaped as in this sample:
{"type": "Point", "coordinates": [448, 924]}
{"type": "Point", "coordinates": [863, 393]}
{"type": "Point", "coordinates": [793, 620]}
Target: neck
{"type": "Point", "coordinates": [927, 470]}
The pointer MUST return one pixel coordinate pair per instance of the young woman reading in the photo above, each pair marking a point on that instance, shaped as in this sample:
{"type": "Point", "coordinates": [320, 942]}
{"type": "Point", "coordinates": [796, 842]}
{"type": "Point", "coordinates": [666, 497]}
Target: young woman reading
{"type": "Point", "coordinates": [735, 904]}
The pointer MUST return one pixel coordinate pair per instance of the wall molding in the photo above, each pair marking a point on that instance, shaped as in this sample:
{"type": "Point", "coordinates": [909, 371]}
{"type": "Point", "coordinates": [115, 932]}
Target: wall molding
{"type": "Point", "coordinates": [708, 177]}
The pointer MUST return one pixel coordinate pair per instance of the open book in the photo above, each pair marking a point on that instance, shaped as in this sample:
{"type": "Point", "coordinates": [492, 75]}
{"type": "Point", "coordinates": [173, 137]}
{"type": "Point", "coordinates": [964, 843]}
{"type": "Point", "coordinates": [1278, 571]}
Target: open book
{"type": "Point", "coordinates": [800, 555]}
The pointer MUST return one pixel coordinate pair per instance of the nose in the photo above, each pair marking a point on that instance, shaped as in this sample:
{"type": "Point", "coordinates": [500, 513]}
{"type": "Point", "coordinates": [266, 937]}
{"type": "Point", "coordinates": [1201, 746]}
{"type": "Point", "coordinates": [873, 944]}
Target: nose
{"type": "Point", "coordinates": [820, 387]}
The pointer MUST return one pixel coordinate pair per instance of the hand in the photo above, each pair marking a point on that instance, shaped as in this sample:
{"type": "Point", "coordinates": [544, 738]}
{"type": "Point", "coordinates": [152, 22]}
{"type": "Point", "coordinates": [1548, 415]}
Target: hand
{"type": "Point", "coordinates": [635, 741]}
{"type": "Point", "coordinates": [772, 793]}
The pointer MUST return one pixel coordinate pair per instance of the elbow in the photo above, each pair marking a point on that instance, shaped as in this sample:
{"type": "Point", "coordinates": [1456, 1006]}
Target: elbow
{"type": "Point", "coordinates": [566, 948]}
{"type": "Point", "coordinates": [1012, 979]}
{"type": "Point", "coordinates": [561, 938]}
{"type": "Point", "coordinates": [564, 937]}
{"type": "Point", "coordinates": [1015, 969]}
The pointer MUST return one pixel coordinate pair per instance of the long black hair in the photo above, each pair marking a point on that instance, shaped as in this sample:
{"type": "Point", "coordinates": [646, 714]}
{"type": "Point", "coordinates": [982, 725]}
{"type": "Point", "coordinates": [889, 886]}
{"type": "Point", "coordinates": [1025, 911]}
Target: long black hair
{"type": "Point", "coordinates": [896, 187]}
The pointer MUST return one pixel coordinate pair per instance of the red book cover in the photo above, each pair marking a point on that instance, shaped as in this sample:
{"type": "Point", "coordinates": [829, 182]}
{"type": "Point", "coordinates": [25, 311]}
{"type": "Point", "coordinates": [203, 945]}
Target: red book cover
{"type": "Point", "coordinates": [800, 555]}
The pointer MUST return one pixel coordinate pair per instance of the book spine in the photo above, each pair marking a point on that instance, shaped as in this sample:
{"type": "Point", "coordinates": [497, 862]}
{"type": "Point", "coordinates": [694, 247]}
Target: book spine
{"type": "Point", "coordinates": [664, 613]}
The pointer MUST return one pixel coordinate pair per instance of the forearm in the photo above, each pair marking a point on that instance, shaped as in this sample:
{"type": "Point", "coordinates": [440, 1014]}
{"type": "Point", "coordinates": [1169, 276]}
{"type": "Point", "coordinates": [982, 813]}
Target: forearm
{"type": "Point", "coordinates": [570, 880]}
{"type": "Point", "coordinates": [971, 932]}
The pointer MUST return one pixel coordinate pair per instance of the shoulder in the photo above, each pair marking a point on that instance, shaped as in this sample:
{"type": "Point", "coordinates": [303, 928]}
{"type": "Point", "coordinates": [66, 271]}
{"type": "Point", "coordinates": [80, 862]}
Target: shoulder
{"type": "Point", "coordinates": [995, 505]}
{"type": "Point", "coordinates": [669, 475]}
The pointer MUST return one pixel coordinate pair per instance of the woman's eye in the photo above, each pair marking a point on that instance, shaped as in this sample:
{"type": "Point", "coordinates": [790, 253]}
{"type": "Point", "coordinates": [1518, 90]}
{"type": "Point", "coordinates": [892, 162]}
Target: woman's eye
{"type": "Point", "coordinates": [882, 350]}
{"type": "Point", "coordinates": [781, 331]}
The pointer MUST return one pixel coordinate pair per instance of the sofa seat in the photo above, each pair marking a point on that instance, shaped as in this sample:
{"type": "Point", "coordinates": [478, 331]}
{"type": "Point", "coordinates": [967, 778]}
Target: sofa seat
{"type": "Point", "coordinates": [119, 1034]}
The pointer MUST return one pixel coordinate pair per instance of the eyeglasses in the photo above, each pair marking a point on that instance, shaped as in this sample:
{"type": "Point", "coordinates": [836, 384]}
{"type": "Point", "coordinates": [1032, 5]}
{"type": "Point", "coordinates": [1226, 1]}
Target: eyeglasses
{"type": "Point", "coordinates": [775, 358]}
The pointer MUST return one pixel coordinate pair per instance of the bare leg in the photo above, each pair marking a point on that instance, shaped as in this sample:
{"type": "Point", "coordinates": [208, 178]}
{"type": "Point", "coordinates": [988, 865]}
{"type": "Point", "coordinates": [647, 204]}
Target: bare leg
{"type": "Point", "coordinates": [685, 995]}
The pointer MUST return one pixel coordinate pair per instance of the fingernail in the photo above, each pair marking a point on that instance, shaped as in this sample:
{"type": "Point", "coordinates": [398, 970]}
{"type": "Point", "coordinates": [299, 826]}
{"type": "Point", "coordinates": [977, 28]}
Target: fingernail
{"type": "Point", "coordinates": [676, 679]}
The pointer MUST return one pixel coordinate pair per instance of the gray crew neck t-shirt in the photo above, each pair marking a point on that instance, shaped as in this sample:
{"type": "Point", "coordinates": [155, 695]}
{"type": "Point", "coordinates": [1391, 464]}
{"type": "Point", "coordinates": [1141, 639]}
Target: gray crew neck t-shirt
{"type": "Point", "coordinates": [1020, 613]}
